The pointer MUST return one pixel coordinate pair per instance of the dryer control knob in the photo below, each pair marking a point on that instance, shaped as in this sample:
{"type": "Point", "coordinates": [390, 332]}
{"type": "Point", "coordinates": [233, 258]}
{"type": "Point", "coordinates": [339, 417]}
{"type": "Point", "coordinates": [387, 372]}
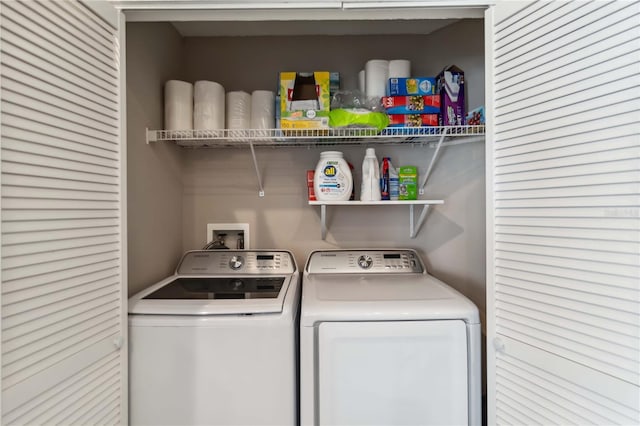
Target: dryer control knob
{"type": "Point", "coordinates": [236, 262]}
{"type": "Point", "coordinates": [365, 262]}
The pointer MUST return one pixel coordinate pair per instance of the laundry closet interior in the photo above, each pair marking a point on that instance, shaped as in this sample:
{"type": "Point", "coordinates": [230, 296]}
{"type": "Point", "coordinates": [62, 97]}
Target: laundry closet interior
{"type": "Point", "coordinates": [174, 191]}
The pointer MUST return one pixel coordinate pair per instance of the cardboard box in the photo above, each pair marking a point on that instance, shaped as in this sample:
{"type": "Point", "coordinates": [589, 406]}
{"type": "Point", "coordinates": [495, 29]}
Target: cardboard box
{"type": "Point", "coordinates": [413, 120]}
{"type": "Point", "coordinates": [310, 190]}
{"type": "Point", "coordinates": [304, 100]}
{"type": "Point", "coordinates": [451, 89]}
{"type": "Point", "coordinates": [411, 86]}
{"type": "Point", "coordinates": [408, 183]}
{"type": "Point", "coordinates": [334, 82]}
{"type": "Point", "coordinates": [475, 117]}
{"type": "Point", "coordinates": [427, 104]}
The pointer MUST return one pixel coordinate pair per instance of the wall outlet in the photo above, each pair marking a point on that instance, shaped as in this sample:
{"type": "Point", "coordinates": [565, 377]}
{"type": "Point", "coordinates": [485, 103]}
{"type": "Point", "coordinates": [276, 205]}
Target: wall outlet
{"type": "Point", "coordinates": [233, 235]}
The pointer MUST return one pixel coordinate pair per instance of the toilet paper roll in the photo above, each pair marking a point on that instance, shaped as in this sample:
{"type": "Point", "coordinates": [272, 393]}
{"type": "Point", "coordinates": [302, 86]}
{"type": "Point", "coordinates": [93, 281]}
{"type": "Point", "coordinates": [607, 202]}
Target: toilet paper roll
{"type": "Point", "coordinates": [399, 68]}
{"type": "Point", "coordinates": [376, 73]}
{"type": "Point", "coordinates": [178, 105]}
{"type": "Point", "coordinates": [238, 110]}
{"type": "Point", "coordinates": [208, 105]}
{"type": "Point", "coordinates": [263, 114]}
{"type": "Point", "coordinates": [361, 79]}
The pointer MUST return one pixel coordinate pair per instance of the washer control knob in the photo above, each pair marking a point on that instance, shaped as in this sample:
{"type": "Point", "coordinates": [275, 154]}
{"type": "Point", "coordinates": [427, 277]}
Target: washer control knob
{"type": "Point", "coordinates": [236, 262]}
{"type": "Point", "coordinates": [365, 261]}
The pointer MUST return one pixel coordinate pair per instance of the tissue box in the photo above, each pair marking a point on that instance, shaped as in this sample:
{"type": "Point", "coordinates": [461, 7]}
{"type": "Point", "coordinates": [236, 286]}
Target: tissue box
{"type": "Point", "coordinates": [411, 86]}
{"type": "Point", "coordinates": [412, 120]}
{"type": "Point", "coordinates": [451, 89]}
{"type": "Point", "coordinates": [427, 104]}
{"type": "Point", "coordinates": [304, 100]}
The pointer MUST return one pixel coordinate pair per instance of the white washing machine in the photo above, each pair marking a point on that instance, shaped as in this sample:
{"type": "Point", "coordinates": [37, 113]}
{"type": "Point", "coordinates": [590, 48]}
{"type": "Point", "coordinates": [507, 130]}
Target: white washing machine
{"type": "Point", "coordinates": [384, 343]}
{"type": "Point", "coordinates": [216, 343]}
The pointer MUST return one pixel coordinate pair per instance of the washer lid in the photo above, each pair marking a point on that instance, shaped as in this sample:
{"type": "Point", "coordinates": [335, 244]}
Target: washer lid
{"type": "Point", "coordinates": [376, 297]}
{"type": "Point", "coordinates": [206, 295]}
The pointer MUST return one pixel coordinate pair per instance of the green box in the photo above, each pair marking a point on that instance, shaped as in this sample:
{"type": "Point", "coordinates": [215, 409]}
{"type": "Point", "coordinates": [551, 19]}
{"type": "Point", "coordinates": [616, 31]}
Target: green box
{"type": "Point", "coordinates": [408, 183]}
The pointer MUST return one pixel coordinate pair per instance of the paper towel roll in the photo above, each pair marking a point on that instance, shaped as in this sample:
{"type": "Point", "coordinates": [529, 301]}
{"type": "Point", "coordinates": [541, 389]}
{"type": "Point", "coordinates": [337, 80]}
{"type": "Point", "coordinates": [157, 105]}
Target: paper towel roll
{"type": "Point", "coordinates": [238, 111]}
{"type": "Point", "coordinates": [178, 105]}
{"type": "Point", "coordinates": [399, 68]}
{"type": "Point", "coordinates": [361, 79]}
{"type": "Point", "coordinates": [376, 72]}
{"type": "Point", "coordinates": [208, 105]}
{"type": "Point", "coordinates": [263, 114]}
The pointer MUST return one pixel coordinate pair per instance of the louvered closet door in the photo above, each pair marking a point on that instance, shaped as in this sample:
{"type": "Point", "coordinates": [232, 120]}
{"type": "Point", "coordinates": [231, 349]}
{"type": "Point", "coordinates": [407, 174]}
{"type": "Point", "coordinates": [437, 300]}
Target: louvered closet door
{"type": "Point", "coordinates": [563, 291]}
{"type": "Point", "coordinates": [62, 296]}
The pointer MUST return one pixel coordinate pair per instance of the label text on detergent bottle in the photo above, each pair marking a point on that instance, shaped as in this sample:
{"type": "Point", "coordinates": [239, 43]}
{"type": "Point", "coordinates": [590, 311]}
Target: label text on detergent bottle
{"type": "Point", "coordinates": [330, 172]}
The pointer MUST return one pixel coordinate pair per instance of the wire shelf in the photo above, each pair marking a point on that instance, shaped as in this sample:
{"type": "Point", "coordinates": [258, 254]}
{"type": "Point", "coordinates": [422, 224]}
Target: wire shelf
{"type": "Point", "coordinates": [309, 137]}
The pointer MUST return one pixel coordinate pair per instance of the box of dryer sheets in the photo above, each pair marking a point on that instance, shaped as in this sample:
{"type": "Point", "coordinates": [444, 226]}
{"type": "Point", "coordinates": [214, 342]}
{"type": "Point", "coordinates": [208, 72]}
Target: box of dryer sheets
{"type": "Point", "coordinates": [408, 183]}
{"type": "Point", "coordinates": [411, 86]}
{"type": "Point", "coordinates": [413, 120]}
{"type": "Point", "coordinates": [451, 89]}
{"type": "Point", "coordinates": [426, 104]}
{"type": "Point", "coordinates": [304, 100]}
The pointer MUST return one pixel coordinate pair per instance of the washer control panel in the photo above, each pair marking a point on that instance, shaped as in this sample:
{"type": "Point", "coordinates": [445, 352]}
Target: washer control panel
{"type": "Point", "coordinates": [364, 261]}
{"type": "Point", "coordinates": [206, 262]}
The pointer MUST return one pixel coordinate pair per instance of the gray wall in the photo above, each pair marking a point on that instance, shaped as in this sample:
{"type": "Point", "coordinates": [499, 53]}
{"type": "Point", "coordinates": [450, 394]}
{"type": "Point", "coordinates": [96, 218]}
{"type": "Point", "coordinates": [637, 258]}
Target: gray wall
{"type": "Point", "coordinates": [154, 172]}
{"type": "Point", "coordinates": [219, 185]}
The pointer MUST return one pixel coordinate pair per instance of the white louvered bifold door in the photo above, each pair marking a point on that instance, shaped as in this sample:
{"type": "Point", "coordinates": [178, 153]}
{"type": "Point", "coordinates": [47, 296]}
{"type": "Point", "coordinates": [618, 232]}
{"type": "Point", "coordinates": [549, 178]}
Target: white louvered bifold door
{"type": "Point", "coordinates": [63, 355]}
{"type": "Point", "coordinates": [564, 236]}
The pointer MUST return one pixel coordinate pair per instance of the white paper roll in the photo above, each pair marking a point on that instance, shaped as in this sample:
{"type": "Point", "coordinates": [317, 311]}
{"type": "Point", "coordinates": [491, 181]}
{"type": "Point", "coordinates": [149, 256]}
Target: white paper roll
{"type": "Point", "coordinates": [399, 68]}
{"type": "Point", "coordinates": [238, 111]}
{"type": "Point", "coordinates": [361, 81]}
{"type": "Point", "coordinates": [263, 113]}
{"type": "Point", "coordinates": [208, 105]}
{"type": "Point", "coordinates": [178, 105]}
{"type": "Point", "coordinates": [376, 72]}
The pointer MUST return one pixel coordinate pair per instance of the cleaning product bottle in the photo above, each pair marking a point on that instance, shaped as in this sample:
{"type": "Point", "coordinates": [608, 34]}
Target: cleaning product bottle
{"type": "Point", "coordinates": [370, 190]}
{"type": "Point", "coordinates": [394, 183]}
{"type": "Point", "coordinates": [332, 180]}
{"type": "Point", "coordinates": [384, 179]}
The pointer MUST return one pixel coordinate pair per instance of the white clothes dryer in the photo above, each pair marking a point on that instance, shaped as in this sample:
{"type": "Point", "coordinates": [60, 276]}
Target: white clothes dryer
{"type": "Point", "coordinates": [216, 343]}
{"type": "Point", "coordinates": [384, 343]}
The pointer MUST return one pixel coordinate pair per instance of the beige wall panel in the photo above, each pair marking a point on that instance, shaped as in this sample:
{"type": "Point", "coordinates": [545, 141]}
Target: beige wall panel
{"type": "Point", "coordinates": [154, 55]}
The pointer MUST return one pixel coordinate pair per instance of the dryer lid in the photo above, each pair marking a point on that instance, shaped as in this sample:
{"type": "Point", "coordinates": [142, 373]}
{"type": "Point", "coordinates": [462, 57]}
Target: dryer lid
{"type": "Point", "coordinates": [409, 297]}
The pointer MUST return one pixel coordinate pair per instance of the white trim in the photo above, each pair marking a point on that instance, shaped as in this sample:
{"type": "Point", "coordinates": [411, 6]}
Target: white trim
{"type": "Point", "coordinates": [326, 14]}
{"type": "Point", "coordinates": [124, 350]}
{"type": "Point", "coordinates": [104, 10]}
{"type": "Point", "coordinates": [489, 325]}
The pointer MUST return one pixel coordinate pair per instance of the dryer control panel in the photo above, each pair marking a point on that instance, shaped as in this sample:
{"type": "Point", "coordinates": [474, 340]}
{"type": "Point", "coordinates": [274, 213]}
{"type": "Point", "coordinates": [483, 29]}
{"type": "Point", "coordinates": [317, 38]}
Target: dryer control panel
{"type": "Point", "coordinates": [364, 261]}
{"type": "Point", "coordinates": [217, 262]}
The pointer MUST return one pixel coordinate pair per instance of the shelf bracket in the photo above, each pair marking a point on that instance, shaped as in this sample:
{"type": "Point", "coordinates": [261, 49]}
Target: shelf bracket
{"type": "Point", "coordinates": [433, 161]}
{"type": "Point", "coordinates": [255, 165]}
{"type": "Point", "coordinates": [150, 135]}
{"type": "Point", "coordinates": [414, 227]}
{"type": "Point", "coordinates": [323, 221]}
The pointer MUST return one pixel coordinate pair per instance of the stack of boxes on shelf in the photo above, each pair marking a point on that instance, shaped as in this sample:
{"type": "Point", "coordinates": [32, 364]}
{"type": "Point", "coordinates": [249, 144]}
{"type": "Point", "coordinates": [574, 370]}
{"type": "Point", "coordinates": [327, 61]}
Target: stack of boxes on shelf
{"type": "Point", "coordinates": [426, 101]}
{"type": "Point", "coordinates": [412, 102]}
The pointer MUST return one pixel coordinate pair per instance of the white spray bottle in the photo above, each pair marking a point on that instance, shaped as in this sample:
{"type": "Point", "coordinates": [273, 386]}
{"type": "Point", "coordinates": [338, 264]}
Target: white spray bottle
{"type": "Point", "coordinates": [370, 190]}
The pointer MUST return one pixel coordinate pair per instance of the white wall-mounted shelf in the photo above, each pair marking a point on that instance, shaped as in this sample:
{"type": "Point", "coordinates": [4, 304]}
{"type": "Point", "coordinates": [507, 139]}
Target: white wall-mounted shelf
{"type": "Point", "coordinates": [434, 137]}
{"type": "Point", "coordinates": [234, 138]}
{"type": "Point", "coordinates": [414, 225]}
